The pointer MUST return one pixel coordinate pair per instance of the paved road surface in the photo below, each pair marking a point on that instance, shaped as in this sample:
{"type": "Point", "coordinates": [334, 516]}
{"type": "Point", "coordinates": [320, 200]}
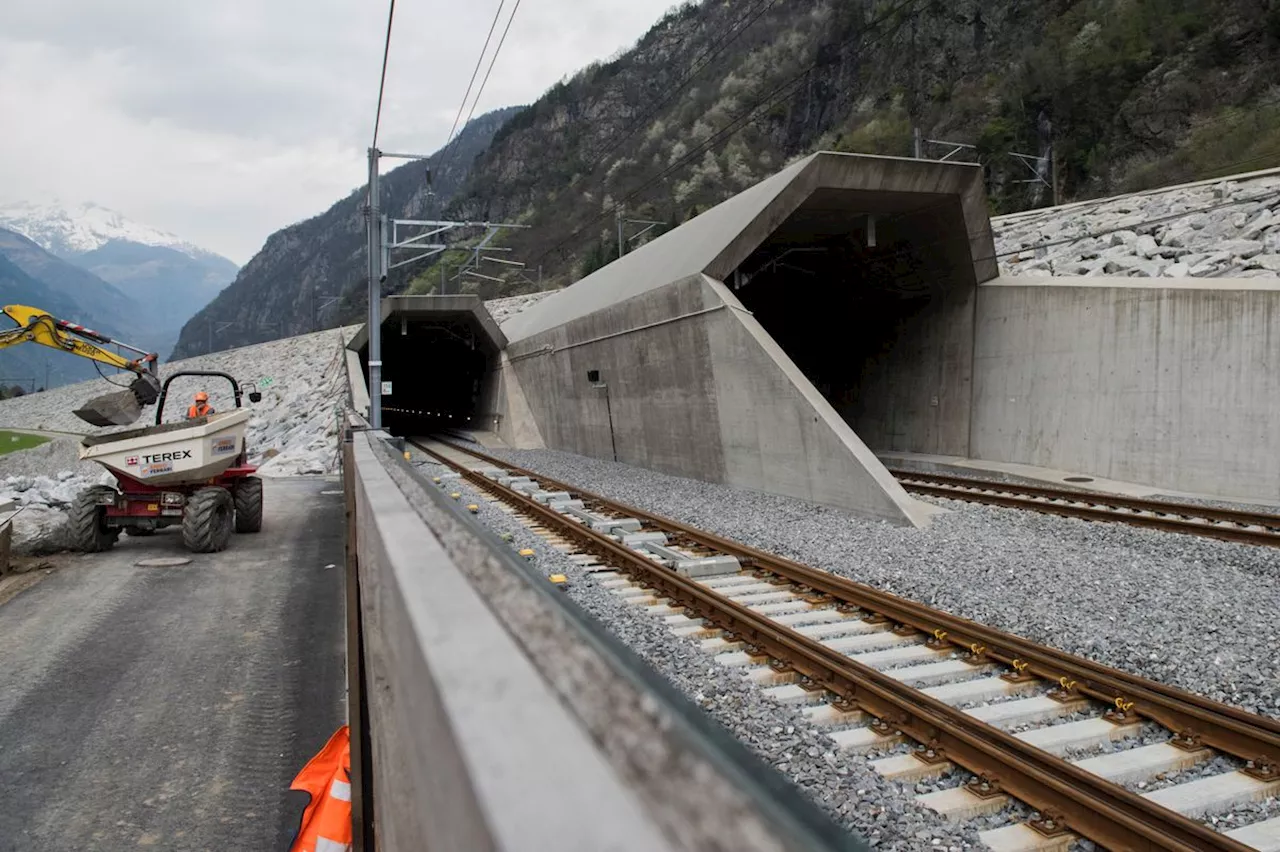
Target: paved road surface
{"type": "Point", "coordinates": [169, 708]}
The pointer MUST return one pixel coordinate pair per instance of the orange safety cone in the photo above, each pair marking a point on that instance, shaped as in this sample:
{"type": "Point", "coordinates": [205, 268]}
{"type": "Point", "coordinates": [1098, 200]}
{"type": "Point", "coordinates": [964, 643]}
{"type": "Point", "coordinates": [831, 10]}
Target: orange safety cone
{"type": "Point", "coordinates": [326, 823]}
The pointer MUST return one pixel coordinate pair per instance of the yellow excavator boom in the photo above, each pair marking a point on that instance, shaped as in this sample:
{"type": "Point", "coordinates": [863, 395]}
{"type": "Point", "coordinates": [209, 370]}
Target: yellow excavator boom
{"type": "Point", "coordinates": [115, 409]}
{"type": "Point", "coordinates": [37, 326]}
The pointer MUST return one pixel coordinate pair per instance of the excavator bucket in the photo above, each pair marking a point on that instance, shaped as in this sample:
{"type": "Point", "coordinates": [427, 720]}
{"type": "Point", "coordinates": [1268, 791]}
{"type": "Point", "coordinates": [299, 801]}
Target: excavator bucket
{"type": "Point", "coordinates": [121, 407]}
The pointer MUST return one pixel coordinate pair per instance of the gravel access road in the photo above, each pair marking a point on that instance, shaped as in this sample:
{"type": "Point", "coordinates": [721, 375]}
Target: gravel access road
{"type": "Point", "coordinates": [170, 707]}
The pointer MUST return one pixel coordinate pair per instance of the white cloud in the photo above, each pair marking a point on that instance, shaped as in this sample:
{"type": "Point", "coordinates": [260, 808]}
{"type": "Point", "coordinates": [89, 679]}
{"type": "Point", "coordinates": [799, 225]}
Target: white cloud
{"type": "Point", "coordinates": [222, 122]}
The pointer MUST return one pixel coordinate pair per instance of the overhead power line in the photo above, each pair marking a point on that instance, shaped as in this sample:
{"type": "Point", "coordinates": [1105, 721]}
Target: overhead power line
{"type": "Point", "coordinates": [492, 61]}
{"type": "Point", "coordinates": [474, 72]}
{"type": "Point", "coordinates": [445, 156]}
{"type": "Point", "coordinates": [382, 82]}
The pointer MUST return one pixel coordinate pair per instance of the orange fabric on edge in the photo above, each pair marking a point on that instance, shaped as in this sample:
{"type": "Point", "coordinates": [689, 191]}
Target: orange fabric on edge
{"type": "Point", "coordinates": [326, 823]}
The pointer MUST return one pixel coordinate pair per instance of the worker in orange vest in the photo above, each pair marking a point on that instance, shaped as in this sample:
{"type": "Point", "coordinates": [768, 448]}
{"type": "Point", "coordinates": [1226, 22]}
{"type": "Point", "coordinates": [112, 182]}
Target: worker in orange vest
{"type": "Point", "coordinates": [201, 407]}
{"type": "Point", "coordinates": [326, 823]}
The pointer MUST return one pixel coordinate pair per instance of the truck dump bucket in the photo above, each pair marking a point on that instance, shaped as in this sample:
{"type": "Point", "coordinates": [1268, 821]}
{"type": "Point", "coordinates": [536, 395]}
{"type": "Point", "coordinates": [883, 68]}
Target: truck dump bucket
{"type": "Point", "coordinates": [121, 407]}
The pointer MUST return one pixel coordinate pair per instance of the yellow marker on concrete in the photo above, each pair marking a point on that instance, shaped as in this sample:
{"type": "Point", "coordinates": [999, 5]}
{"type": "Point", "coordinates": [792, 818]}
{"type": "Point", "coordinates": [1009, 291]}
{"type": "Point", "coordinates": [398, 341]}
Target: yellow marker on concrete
{"type": "Point", "coordinates": [436, 480]}
{"type": "Point", "coordinates": [473, 508]}
{"type": "Point", "coordinates": [558, 579]}
{"type": "Point", "coordinates": [506, 536]}
{"type": "Point", "coordinates": [527, 553]}
{"type": "Point", "coordinates": [406, 455]}
{"type": "Point", "coordinates": [456, 496]}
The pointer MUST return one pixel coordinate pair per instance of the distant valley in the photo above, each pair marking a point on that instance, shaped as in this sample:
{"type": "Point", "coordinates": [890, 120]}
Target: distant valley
{"type": "Point", "coordinates": [93, 266]}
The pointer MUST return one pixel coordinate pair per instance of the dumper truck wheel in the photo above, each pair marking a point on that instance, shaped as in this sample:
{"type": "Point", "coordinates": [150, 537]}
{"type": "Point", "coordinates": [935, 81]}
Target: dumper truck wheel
{"type": "Point", "coordinates": [86, 521]}
{"type": "Point", "coordinates": [248, 499]}
{"type": "Point", "coordinates": [207, 522]}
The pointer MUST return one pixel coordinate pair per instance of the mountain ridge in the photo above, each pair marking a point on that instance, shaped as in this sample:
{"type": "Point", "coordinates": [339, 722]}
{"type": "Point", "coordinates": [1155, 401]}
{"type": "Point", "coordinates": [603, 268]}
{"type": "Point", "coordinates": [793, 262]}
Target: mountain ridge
{"type": "Point", "coordinates": [311, 274]}
{"type": "Point", "coordinates": [69, 231]}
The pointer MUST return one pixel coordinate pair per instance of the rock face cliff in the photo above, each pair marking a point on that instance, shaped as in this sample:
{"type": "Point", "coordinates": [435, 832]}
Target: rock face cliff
{"type": "Point", "coordinates": [1103, 96]}
{"type": "Point", "coordinates": [312, 275]}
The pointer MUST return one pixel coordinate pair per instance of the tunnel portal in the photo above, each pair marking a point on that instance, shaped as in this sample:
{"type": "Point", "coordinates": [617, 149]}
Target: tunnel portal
{"type": "Point", "coordinates": [438, 352]}
{"type": "Point", "coordinates": [870, 294]}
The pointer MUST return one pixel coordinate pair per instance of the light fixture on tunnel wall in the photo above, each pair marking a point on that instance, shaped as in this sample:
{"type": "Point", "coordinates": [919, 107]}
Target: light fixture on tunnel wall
{"type": "Point", "coordinates": [593, 376]}
{"type": "Point", "coordinates": [404, 326]}
{"type": "Point", "coordinates": [871, 231]}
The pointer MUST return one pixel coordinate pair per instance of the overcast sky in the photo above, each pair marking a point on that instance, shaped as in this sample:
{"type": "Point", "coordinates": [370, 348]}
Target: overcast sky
{"type": "Point", "coordinates": [224, 121]}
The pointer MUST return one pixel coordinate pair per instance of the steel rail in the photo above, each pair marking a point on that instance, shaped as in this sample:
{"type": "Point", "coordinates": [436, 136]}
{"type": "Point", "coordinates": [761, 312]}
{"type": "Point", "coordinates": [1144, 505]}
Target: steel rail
{"type": "Point", "coordinates": [1194, 718]}
{"type": "Point", "coordinates": [1074, 799]}
{"type": "Point", "coordinates": [1167, 516]}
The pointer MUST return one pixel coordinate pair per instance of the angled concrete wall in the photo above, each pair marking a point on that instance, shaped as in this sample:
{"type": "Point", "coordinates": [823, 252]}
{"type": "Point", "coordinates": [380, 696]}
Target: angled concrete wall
{"type": "Point", "coordinates": [696, 388]}
{"type": "Point", "coordinates": [1165, 382]}
{"type": "Point", "coordinates": [505, 408]}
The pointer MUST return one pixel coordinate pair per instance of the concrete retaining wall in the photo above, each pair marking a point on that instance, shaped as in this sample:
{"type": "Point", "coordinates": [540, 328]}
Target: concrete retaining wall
{"type": "Point", "coordinates": [695, 387]}
{"type": "Point", "coordinates": [495, 711]}
{"type": "Point", "coordinates": [1174, 384]}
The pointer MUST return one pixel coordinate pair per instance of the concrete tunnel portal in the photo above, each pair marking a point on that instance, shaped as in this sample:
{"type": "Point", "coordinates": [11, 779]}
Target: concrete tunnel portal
{"type": "Point", "coordinates": [870, 294]}
{"type": "Point", "coordinates": [859, 279]}
{"type": "Point", "coordinates": [437, 352]}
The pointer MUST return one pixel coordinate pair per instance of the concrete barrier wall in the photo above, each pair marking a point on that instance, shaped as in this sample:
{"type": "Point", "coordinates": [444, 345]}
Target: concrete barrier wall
{"type": "Point", "coordinates": [695, 387]}
{"type": "Point", "coordinates": [1172, 384]}
{"type": "Point", "coordinates": [496, 710]}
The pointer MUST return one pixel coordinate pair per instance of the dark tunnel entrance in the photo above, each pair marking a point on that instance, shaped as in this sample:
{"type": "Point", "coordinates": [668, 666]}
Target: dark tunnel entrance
{"type": "Point", "coordinates": [871, 295]}
{"type": "Point", "coordinates": [436, 365]}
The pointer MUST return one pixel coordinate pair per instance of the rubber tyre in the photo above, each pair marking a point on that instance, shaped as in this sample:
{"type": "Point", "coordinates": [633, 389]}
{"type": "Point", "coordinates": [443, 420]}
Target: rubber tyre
{"type": "Point", "coordinates": [248, 499]}
{"type": "Point", "coordinates": [207, 522]}
{"type": "Point", "coordinates": [84, 522]}
{"type": "Point", "coordinates": [138, 532]}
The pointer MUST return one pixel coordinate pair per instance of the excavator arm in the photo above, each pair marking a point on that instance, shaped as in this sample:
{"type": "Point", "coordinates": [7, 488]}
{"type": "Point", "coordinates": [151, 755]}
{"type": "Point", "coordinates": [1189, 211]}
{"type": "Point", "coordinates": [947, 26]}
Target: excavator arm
{"type": "Point", "coordinates": [113, 409]}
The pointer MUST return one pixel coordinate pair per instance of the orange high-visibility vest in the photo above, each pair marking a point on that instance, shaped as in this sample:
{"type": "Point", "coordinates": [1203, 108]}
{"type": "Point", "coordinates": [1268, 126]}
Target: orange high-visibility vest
{"type": "Point", "coordinates": [326, 823]}
{"type": "Point", "coordinates": [199, 411]}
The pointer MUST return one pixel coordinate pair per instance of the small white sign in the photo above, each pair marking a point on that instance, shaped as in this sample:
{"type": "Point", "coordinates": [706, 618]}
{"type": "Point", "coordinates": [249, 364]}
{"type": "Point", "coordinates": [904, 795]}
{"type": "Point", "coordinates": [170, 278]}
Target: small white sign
{"type": "Point", "coordinates": [386, 388]}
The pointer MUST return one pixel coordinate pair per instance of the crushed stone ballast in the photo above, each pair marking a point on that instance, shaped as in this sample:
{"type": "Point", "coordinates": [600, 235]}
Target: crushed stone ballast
{"type": "Point", "coordinates": [1210, 522]}
{"type": "Point", "coordinates": [877, 670]}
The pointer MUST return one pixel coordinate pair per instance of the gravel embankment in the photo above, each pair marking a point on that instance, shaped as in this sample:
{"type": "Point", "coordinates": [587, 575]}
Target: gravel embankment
{"type": "Point", "coordinates": [882, 811]}
{"type": "Point", "coordinates": [1002, 478]}
{"type": "Point", "coordinates": [1196, 613]}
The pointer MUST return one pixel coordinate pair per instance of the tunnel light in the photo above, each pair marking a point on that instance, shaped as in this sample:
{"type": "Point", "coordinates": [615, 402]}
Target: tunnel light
{"type": "Point", "coordinates": [871, 231]}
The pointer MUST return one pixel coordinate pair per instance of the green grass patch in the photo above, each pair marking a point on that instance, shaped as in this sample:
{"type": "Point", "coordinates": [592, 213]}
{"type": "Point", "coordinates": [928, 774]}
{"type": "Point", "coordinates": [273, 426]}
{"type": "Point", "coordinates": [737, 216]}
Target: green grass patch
{"type": "Point", "coordinates": [13, 441]}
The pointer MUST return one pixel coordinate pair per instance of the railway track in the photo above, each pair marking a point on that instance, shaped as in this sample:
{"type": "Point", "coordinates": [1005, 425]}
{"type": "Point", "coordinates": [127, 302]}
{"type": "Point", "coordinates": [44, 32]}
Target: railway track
{"type": "Point", "coordinates": [1017, 719]}
{"type": "Point", "coordinates": [1226, 524]}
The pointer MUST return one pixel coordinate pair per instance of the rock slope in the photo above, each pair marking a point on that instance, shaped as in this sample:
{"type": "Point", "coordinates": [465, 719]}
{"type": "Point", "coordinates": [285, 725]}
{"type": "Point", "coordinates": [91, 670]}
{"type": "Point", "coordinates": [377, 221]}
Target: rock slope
{"type": "Point", "coordinates": [1224, 228]}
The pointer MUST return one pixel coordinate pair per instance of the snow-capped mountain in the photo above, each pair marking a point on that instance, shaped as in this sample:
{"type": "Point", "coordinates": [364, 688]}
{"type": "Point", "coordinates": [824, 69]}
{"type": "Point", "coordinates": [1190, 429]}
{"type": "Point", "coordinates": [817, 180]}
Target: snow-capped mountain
{"type": "Point", "coordinates": [69, 231]}
{"type": "Point", "coordinates": [166, 278]}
